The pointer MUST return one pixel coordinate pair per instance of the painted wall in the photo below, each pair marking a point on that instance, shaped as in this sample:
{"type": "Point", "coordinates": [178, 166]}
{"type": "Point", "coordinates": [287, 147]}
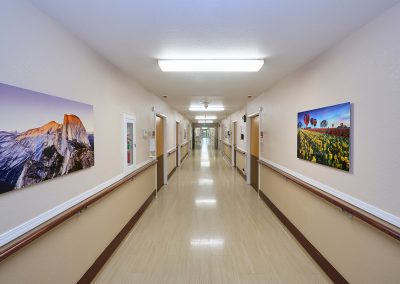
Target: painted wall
{"type": "Point", "coordinates": [226, 126]}
{"type": "Point", "coordinates": [38, 54]}
{"type": "Point", "coordinates": [364, 70]}
{"type": "Point", "coordinates": [227, 151]}
{"type": "Point", "coordinates": [241, 162]}
{"type": "Point", "coordinates": [241, 127]}
{"type": "Point", "coordinates": [360, 253]}
{"type": "Point", "coordinates": [171, 162]}
{"type": "Point", "coordinates": [65, 253]}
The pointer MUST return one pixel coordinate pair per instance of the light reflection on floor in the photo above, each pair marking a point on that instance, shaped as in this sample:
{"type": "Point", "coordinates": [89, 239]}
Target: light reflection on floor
{"type": "Point", "coordinates": [209, 227]}
{"type": "Point", "coordinates": [212, 243]}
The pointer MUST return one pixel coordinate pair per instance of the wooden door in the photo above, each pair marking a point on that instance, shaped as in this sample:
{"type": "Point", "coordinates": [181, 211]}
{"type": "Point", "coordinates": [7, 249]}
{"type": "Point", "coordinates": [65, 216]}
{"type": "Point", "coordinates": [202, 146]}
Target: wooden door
{"type": "Point", "coordinates": [160, 151]}
{"type": "Point", "coordinates": [254, 150]}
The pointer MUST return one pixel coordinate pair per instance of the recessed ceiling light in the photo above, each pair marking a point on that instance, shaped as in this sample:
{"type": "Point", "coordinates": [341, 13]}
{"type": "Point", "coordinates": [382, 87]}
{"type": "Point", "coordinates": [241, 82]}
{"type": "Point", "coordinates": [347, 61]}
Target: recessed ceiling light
{"type": "Point", "coordinates": [206, 117]}
{"type": "Point", "coordinates": [205, 121]}
{"type": "Point", "coordinates": [209, 108]}
{"type": "Point", "coordinates": [208, 65]}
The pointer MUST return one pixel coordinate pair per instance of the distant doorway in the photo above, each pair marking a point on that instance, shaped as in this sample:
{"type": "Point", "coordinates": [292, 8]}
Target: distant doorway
{"type": "Point", "coordinates": [254, 150]}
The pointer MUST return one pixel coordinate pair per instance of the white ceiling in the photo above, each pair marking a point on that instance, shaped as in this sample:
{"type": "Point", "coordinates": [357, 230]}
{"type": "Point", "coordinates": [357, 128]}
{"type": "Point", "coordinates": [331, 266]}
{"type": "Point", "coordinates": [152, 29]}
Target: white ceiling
{"type": "Point", "coordinates": [286, 33]}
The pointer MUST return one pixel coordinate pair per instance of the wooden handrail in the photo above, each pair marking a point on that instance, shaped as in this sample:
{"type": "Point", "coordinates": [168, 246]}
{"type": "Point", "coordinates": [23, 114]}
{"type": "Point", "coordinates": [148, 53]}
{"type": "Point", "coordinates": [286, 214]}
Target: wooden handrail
{"type": "Point", "coordinates": [226, 143]}
{"type": "Point", "coordinates": [240, 151]}
{"type": "Point", "coordinates": [184, 144]}
{"type": "Point", "coordinates": [343, 205]}
{"type": "Point", "coordinates": [170, 152]}
{"type": "Point", "coordinates": [34, 234]}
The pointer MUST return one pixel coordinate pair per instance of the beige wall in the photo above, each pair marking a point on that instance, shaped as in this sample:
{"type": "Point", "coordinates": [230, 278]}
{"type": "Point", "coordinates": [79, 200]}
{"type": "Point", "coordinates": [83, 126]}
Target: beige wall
{"type": "Point", "coordinates": [359, 252]}
{"type": "Point", "coordinates": [38, 54]}
{"type": "Point", "coordinates": [184, 150]}
{"type": "Point", "coordinates": [171, 162]}
{"type": "Point", "coordinates": [241, 127]}
{"type": "Point", "coordinates": [227, 151]}
{"type": "Point", "coordinates": [363, 69]}
{"type": "Point", "coordinates": [65, 253]}
{"type": "Point", "coordinates": [227, 124]}
{"type": "Point", "coordinates": [241, 162]}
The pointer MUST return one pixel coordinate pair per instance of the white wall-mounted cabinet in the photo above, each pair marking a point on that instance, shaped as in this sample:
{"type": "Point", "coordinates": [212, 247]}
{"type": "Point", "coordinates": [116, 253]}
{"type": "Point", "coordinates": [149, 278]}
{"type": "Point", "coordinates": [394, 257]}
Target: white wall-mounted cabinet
{"type": "Point", "coordinates": [129, 143]}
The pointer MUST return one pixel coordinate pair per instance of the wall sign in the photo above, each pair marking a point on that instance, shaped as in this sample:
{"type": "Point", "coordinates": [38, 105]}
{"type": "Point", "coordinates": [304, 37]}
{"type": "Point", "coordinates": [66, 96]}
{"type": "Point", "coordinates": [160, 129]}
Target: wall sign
{"type": "Point", "coordinates": [323, 136]}
{"type": "Point", "coordinates": [42, 137]}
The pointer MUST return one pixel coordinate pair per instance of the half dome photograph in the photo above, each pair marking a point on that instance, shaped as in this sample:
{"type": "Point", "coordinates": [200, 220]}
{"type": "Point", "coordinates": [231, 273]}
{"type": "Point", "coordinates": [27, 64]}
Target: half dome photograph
{"type": "Point", "coordinates": [42, 137]}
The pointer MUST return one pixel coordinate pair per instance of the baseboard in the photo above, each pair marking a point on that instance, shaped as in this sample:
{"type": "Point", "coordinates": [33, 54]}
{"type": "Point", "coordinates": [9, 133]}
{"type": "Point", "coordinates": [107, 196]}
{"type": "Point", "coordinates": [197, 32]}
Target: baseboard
{"type": "Point", "coordinates": [109, 250]}
{"type": "Point", "coordinates": [171, 173]}
{"type": "Point", "coordinates": [241, 173]}
{"type": "Point", "coordinates": [325, 265]}
{"type": "Point", "coordinates": [184, 158]}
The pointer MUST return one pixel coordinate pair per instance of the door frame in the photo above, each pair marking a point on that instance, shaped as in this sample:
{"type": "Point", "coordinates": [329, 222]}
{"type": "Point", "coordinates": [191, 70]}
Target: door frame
{"type": "Point", "coordinates": [164, 118]}
{"type": "Point", "coordinates": [248, 146]}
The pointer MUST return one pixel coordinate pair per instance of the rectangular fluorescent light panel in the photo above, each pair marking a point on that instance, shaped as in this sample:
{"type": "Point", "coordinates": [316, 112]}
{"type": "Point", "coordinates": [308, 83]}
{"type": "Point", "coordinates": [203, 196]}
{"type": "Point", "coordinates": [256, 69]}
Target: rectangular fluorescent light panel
{"type": "Point", "coordinates": [205, 121]}
{"type": "Point", "coordinates": [207, 117]}
{"type": "Point", "coordinates": [209, 108]}
{"type": "Point", "coordinates": [218, 65]}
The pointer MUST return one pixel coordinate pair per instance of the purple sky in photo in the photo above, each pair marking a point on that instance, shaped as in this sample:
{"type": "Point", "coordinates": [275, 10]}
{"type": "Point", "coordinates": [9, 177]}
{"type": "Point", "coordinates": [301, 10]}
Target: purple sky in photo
{"type": "Point", "coordinates": [22, 109]}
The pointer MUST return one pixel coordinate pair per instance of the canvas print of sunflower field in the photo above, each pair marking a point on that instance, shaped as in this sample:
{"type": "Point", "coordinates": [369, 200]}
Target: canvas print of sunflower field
{"type": "Point", "coordinates": [323, 136]}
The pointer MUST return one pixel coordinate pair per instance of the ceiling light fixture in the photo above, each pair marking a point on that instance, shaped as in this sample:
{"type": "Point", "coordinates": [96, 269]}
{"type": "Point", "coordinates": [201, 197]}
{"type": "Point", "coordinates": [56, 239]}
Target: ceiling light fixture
{"type": "Point", "coordinates": [206, 117]}
{"type": "Point", "coordinates": [205, 121]}
{"type": "Point", "coordinates": [210, 65]}
{"type": "Point", "coordinates": [209, 108]}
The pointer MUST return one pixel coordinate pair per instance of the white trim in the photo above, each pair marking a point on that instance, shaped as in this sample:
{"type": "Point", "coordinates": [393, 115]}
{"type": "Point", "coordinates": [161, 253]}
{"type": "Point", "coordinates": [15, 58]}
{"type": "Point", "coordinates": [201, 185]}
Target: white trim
{"type": "Point", "coordinates": [253, 114]}
{"type": "Point", "coordinates": [25, 227]}
{"type": "Point", "coordinates": [379, 213]}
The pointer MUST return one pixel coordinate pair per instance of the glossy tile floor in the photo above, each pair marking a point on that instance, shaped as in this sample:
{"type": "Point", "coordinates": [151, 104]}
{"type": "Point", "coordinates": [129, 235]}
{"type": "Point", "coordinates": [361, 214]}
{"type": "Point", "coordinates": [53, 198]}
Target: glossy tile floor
{"type": "Point", "coordinates": [208, 226]}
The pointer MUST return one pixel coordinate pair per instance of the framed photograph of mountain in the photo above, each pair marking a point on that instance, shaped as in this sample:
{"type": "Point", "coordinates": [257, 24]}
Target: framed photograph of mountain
{"type": "Point", "coordinates": [42, 137]}
{"type": "Point", "coordinates": [323, 136]}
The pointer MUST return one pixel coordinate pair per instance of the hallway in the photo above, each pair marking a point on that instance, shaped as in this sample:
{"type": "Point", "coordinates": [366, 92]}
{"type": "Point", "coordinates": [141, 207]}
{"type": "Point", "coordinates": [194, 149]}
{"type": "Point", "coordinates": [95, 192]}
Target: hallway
{"type": "Point", "coordinates": [208, 226]}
